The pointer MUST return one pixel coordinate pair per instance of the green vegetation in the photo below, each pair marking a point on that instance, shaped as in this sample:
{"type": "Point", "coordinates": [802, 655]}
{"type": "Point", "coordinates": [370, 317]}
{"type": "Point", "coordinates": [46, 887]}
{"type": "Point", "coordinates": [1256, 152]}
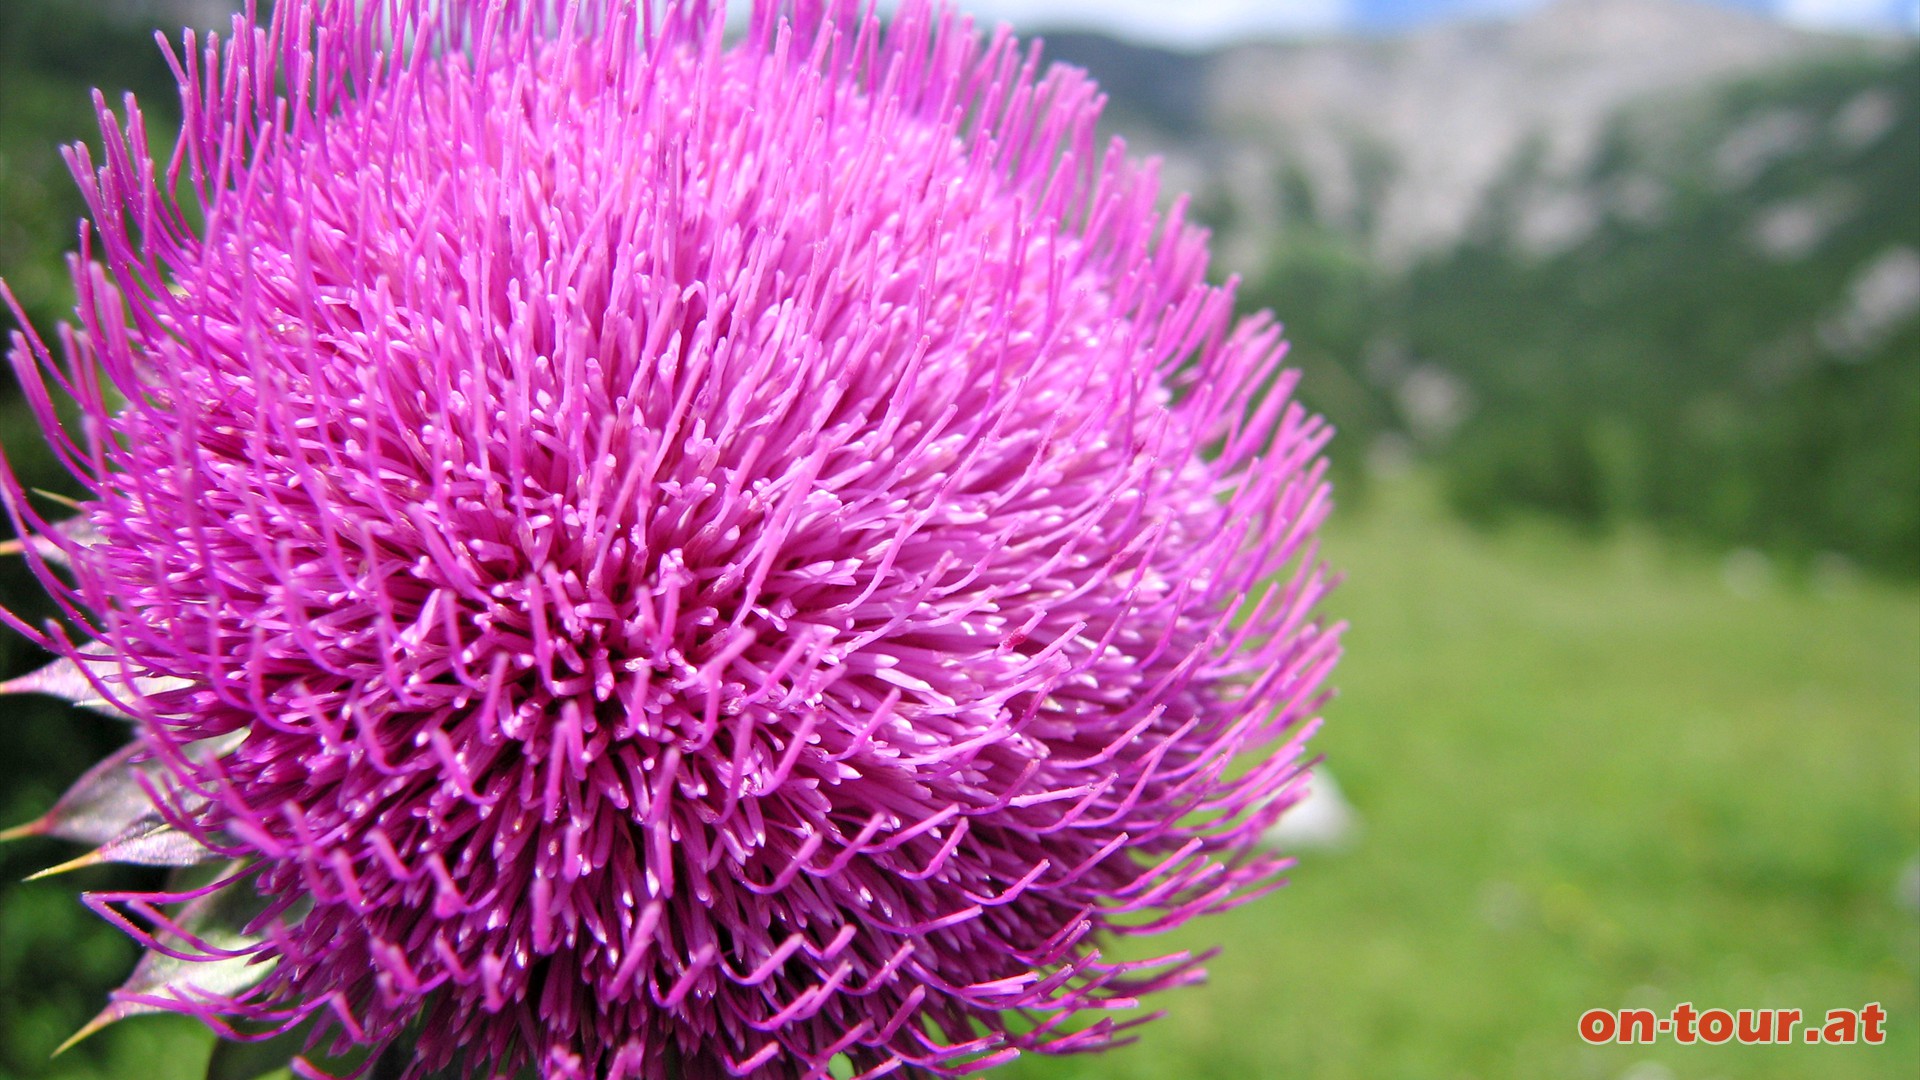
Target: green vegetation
{"type": "Point", "coordinates": [1732, 353]}
{"type": "Point", "coordinates": [52, 55]}
{"type": "Point", "coordinates": [1590, 775]}
{"type": "Point", "coordinates": [1699, 369]}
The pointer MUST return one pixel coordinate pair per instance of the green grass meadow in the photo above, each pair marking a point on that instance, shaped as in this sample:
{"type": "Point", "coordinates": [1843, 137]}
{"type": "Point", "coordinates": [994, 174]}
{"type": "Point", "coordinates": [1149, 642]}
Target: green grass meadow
{"type": "Point", "coordinates": [1590, 772]}
{"type": "Point", "coordinates": [1590, 775]}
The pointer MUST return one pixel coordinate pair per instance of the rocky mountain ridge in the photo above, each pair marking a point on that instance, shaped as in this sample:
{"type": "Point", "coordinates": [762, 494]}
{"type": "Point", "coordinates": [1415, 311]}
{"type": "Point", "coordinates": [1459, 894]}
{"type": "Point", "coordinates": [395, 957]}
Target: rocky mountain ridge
{"type": "Point", "coordinates": [1401, 140]}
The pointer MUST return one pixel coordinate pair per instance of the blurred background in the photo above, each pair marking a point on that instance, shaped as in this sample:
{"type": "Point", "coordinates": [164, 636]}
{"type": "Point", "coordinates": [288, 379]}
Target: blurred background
{"type": "Point", "coordinates": [1616, 304]}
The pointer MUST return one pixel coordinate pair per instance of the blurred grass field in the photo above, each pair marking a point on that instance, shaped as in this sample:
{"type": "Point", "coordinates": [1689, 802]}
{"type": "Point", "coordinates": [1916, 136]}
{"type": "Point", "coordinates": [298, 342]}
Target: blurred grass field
{"type": "Point", "coordinates": [1590, 773]}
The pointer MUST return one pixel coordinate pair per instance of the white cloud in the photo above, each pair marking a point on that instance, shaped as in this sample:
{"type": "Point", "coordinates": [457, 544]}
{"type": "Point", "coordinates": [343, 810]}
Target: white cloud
{"type": "Point", "coordinates": [1852, 14]}
{"type": "Point", "coordinates": [1170, 22]}
{"type": "Point", "coordinates": [1205, 23]}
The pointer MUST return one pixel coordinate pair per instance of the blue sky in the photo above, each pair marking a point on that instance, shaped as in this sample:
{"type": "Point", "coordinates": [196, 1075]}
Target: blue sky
{"type": "Point", "coordinates": [1201, 22]}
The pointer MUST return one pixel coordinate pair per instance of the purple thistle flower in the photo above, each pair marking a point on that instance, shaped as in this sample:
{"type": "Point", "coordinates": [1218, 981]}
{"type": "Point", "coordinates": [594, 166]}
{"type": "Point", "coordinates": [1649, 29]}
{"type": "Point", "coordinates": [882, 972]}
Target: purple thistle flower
{"type": "Point", "coordinates": [639, 551]}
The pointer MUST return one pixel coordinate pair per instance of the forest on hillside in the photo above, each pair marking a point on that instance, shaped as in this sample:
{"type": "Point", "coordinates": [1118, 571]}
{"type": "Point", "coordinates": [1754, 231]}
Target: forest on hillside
{"type": "Point", "coordinates": [1733, 353]}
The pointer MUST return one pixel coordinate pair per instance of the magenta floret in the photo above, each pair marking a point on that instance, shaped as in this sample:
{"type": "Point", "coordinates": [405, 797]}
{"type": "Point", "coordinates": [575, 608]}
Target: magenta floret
{"type": "Point", "coordinates": [664, 552]}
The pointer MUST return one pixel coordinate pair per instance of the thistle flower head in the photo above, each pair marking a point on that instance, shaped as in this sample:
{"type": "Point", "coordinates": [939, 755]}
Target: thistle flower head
{"type": "Point", "coordinates": [637, 548]}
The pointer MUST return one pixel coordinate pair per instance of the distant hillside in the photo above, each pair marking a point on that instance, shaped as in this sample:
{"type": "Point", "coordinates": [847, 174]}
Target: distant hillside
{"type": "Point", "coordinates": [1615, 259]}
{"type": "Point", "coordinates": [1731, 345]}
{"type": "Point", "coordinates": [1728, 343]}
{"type": "Point", "coordinates": [1160, 89]}
{"type": "Point", "coordinates": [1399, 140]}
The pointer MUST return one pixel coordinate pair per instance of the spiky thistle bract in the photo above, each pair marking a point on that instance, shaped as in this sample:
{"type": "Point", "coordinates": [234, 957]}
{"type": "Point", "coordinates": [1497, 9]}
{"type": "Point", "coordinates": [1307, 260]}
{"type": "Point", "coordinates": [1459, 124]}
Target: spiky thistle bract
{"type": "Point", "coordinates": [640, 548]}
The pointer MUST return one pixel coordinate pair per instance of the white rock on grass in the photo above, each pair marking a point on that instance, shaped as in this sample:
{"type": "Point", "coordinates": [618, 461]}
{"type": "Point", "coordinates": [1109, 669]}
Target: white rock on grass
{"type": "Point", "coordinates": [1321, 821]}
